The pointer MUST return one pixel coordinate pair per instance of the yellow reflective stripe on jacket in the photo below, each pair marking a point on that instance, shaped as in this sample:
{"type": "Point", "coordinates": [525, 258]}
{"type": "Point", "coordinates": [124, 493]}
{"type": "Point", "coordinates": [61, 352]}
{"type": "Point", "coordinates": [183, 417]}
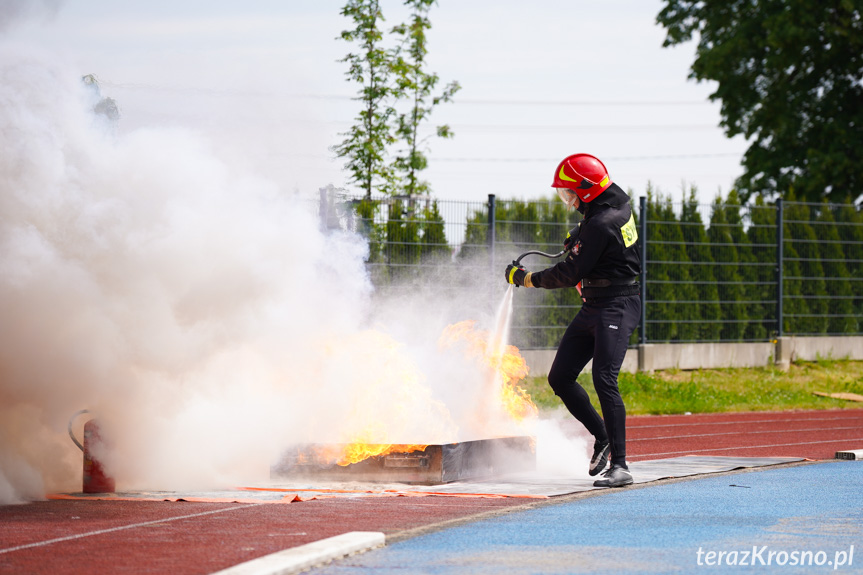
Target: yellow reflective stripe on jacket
{"type": "Point", "coordinates": [629, 232]}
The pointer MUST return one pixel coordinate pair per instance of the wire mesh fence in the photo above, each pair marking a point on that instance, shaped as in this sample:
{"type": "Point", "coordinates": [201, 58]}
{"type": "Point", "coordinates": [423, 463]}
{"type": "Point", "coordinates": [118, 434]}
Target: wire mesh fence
{"type": "Point", "coordinates": [720, 272]}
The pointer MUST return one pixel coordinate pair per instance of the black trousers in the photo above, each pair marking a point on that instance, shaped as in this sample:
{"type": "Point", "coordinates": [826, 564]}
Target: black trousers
{"type": "Point", "coordinates": [601, 331]}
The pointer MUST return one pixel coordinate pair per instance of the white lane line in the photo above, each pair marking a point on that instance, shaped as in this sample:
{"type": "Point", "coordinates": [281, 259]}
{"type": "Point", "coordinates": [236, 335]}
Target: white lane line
{"type": "Point", "coordinates": [306, 556]}
{"type": "Point", "coordinates": [744, 432]}
{"type": "Point", "coordinates": [121, 528]}
{"type": "Point", "coordinates": [746, 447]}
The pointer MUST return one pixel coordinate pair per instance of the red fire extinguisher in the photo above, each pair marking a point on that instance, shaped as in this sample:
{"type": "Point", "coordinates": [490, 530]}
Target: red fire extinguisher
{"type": "Point", "coordinates": [95, 479]}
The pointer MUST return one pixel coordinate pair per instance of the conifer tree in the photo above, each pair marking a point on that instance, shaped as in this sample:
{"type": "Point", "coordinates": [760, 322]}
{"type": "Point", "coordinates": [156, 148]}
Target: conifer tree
{"type": "Point", "coordinates": [476, 236]}
{"type": "Point", "coordinates": [794, 305]}
{"type": "Point", "coordinates": [701, 273]}
{"type": "Point", "coordinates": [809, 278]}
{"type": "Point", "coordinates": [680, 269]}
{"type": "Point", "coordinates": [365, 210]}
{"type": "Point", "coordinates": [434, 243]}
{"type": "Point", "coordinates": [402, 246]}
{"type": "Point", "coordinates": [754, 329]}
{"type": "Point", "coordinates": [839, 294]}
{"type": "Point", "coordinates": [762, 241]}
{"type": "Point", "coordinates": [524, 226]}
{"type": "Point", "coordinates": [727, 273]}
{"type": "Point", "coordinates": [850, 230]}
{"type": "Point", "coordinates": [661, 317]}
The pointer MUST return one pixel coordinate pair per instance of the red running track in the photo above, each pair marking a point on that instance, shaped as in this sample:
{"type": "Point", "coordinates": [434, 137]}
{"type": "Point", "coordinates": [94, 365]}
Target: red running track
{"type": "Point", "coordinates": [808, 434]}
{"type": "Point", "coordinates": [132, 537]}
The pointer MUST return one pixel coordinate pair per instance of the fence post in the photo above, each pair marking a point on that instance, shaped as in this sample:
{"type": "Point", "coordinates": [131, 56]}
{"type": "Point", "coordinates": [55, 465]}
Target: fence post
{"type": "Point", "coordinates": [780, 255]}
{"type": "Point", "coordinates": [642, 223]}
{"type": "Point", "coordinates": [322, 210]}
{"type": "Point", "coordinates": [491, 233]}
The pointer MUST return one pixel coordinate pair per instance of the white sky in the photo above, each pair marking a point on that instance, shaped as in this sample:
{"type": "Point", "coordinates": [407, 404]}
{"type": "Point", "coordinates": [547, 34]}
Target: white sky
{"type": "Point", "coordinates": [540, 80]}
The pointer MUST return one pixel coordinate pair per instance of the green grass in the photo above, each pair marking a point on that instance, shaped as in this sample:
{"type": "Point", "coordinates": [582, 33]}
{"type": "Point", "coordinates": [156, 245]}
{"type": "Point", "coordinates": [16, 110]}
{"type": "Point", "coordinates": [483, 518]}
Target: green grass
{"type": "Point", "coordinates": [725, 390]}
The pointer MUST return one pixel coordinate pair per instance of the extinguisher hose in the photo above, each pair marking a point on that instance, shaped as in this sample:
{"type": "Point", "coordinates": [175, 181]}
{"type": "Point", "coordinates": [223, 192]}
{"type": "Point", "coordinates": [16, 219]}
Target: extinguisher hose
{"type": "Point", "coordinates": [71, 434]}
{"type": "Point", "coordinates": [551, 256]}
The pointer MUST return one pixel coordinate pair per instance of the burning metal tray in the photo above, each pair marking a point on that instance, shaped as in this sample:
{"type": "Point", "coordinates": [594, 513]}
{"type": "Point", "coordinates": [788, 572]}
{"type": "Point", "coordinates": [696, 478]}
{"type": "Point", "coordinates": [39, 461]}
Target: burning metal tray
{"type": "Point", "coordinates": [433, 465]}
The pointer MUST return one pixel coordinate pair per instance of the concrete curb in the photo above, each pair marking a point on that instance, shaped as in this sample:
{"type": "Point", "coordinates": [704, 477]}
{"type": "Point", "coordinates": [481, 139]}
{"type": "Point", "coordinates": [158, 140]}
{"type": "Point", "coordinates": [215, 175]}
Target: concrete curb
{"type": "Point", "coordinates": [850, 454]}
{"type": "Point", "coordinates": [304, 557]}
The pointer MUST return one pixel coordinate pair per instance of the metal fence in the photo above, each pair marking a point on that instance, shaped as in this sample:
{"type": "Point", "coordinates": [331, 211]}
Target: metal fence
{"type": "Point", "coordinates": [712, 272]}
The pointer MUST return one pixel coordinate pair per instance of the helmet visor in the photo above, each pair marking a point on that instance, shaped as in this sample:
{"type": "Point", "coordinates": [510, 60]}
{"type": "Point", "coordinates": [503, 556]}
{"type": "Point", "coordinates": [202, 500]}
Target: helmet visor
{"type": "Point", "coordinates": [567, 195]}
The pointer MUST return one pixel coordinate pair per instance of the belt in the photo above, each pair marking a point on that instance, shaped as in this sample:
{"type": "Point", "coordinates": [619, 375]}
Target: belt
{"type": "Point", "coordinates": [592, 294]}
{"type": "Point", "coordinates": [608, 282]}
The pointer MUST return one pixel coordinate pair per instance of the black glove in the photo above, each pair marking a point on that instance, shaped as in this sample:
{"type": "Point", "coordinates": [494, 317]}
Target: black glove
{"type": "Point", "coordinates": [515, 274]}
{"type": "Point", "coordinates": [571, 236]}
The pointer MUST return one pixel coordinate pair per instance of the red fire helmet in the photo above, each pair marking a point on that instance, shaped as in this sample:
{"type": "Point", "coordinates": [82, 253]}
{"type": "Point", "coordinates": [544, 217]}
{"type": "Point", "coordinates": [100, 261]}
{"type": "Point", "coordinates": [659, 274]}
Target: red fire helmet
{"type": "Point", "coordinates": [583, 175]}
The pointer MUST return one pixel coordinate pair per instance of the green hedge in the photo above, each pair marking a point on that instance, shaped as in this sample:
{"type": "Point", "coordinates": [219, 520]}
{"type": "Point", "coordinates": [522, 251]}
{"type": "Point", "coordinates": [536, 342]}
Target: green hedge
{"type": "Point", "coordinates": [711, 269]}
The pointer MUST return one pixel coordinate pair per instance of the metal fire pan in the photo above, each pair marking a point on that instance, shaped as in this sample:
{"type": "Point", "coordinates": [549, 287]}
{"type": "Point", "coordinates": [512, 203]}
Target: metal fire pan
{"type": "Point", "coordinates": [436, 464]}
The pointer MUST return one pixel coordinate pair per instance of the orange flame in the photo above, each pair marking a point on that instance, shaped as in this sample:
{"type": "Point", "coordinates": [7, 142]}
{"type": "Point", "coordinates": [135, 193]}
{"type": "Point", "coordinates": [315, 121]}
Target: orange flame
{"type": "Point", "coordinates": [505, 367]}
{"type": "Point", "coordinates": [355, 452]}
{"type": "Point", "coordinates": [508, 366]}
{"type": "Point", "coordinates": [394, 404]}
{"type": "Point", "coordinates": [347, 453]}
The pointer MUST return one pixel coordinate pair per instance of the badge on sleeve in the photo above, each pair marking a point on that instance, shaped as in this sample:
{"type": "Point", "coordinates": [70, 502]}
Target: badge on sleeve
{"type": "Point", "coordinates": [629, 233]}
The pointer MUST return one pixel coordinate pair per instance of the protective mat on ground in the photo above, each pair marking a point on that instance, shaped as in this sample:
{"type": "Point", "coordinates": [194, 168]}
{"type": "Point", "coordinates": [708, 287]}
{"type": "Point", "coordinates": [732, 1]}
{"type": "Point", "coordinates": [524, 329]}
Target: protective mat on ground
{"type": "Point", "coordinates": [537, 484]}
{"type": "Point", "coordinates": [532, 484]}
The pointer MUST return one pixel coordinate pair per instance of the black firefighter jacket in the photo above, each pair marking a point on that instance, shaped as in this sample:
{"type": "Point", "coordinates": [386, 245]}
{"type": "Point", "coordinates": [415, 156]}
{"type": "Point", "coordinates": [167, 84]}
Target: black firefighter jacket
{"type": "Point", "coordinates": [605, 248]}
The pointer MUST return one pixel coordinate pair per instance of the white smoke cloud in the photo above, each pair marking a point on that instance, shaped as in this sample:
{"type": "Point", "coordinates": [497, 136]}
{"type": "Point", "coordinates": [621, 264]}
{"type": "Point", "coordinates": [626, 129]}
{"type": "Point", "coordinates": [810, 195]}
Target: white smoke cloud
{"type": "Point", "coordinates": [13, 11]}
{"type": "Point", "coordinates": [200, 312]}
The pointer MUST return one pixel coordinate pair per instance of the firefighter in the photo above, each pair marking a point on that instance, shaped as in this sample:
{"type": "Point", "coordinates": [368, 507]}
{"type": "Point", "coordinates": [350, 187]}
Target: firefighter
{"type": "Point", "coordinates": [603, 262]}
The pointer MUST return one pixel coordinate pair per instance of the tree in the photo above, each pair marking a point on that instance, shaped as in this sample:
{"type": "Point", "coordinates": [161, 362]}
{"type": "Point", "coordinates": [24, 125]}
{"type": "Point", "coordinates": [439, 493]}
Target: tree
{"type": "Point", "coordinates": [788, 75]}
{"type": "Point", "coordinates": [762, 234]}
{"type": "Point", "coordinates": [476, 236]}
{"type": "Point", "coordinates": [522, 224]}
{"type": "Point", "coordinates": [680, 272]}
{"type": "Point", "coordinates": [662, 312]}
{"type": "Point", "coordinates": [839, 295]}
{"type": "Point", "coordinates": [403, 240]}
{"type": "Point", "coordinates": [435, 248]}
{"type": "Point", "coordinates": [724, 250]}
{"type": "Point", "coordinates": [413, 82]}
{"type": "Point", "coordinates": [804, 276]}
{"type": "Point", "coordinates": [801, 233]}
{"type": "Point", "coordinates": [365, 144]}
{"type": "Point", "coordinates": [704, 282]}
{"type": "Point", "coordinates": [365, 211]}
{"type": "Point", "coordinates": [851, 236]}
{"type": "Point", "coordinates": [751, 302]}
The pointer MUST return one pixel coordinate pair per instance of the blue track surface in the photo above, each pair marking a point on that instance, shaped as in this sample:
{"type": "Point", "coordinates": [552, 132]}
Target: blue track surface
{"type": "Point", "coordinates": [784, 520]}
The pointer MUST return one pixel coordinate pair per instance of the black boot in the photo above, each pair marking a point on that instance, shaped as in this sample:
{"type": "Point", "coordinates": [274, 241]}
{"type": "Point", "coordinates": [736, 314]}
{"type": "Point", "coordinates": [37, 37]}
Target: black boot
{"type": "Point", "coordinates": [616, 476]}
{"type": "Point", "coordinates": [600, 456]}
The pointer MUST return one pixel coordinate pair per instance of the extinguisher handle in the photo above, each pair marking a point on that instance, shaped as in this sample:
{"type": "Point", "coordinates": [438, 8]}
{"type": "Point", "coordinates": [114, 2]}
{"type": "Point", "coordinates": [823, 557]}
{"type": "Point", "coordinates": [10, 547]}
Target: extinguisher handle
{"type": "Point", "coordinates": [71, 421]}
